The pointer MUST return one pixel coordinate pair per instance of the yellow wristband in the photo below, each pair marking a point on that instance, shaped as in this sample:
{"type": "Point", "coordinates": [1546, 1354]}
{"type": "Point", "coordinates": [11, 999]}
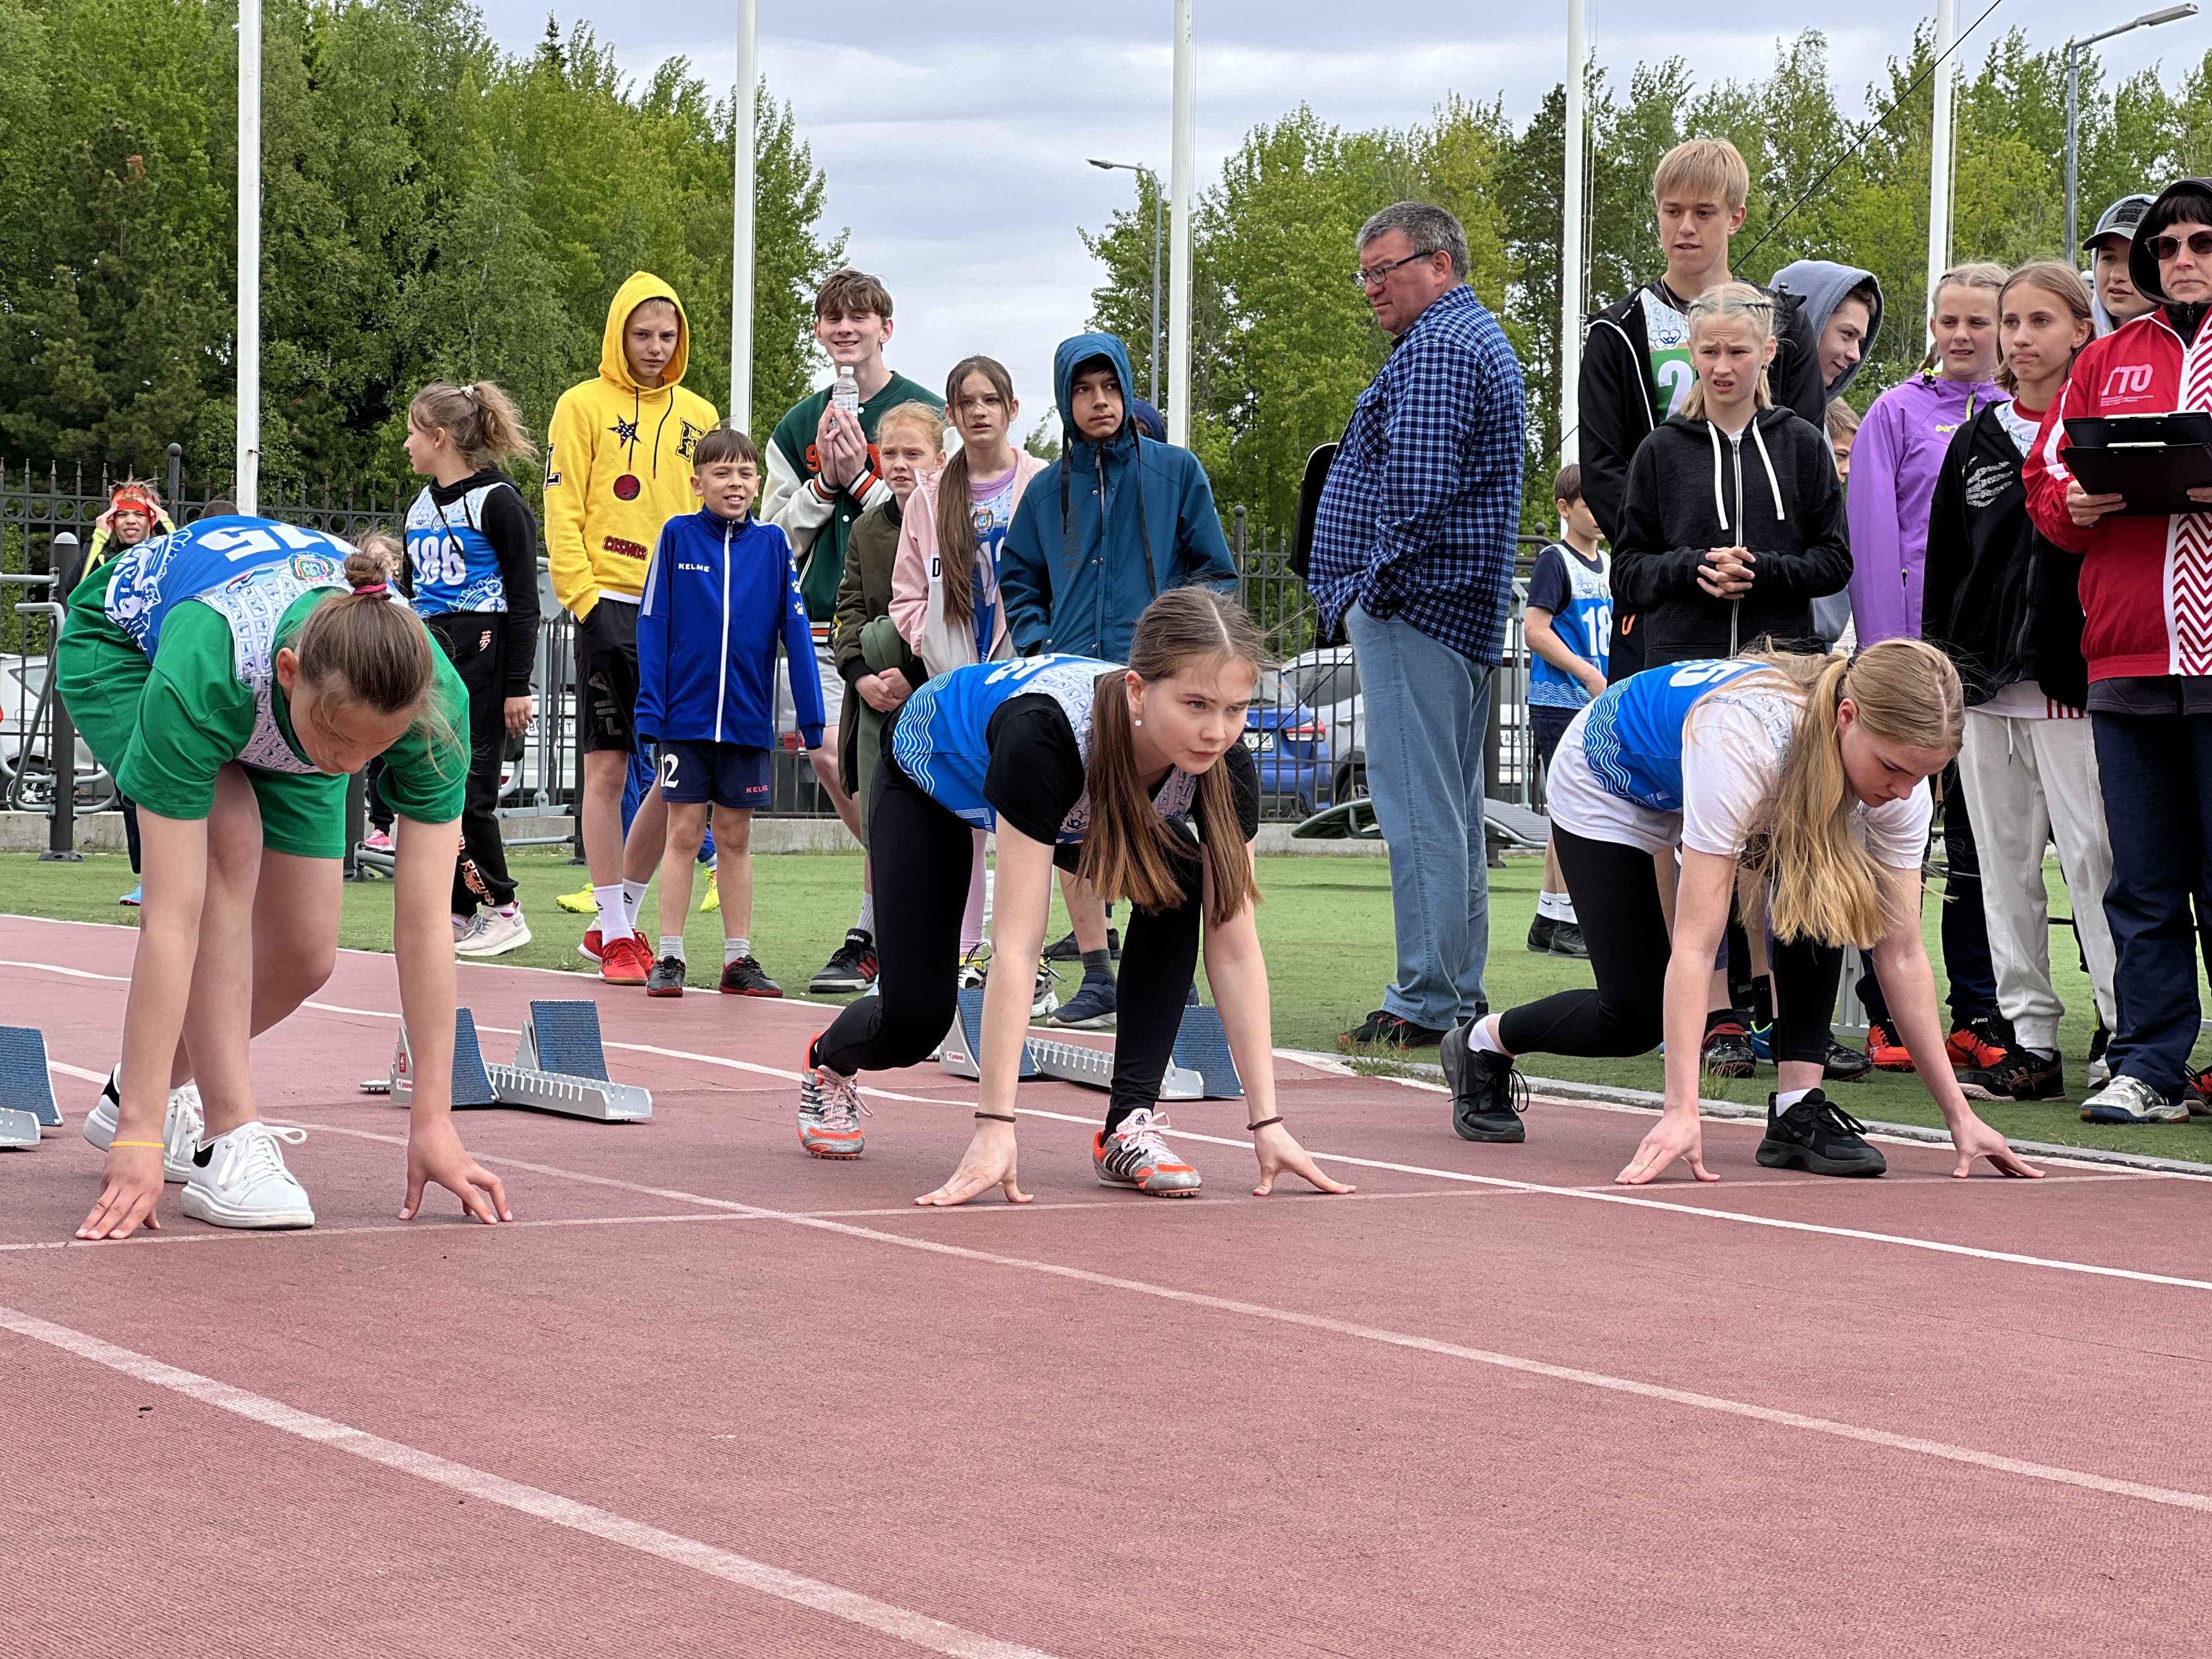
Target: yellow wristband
{"type": "Point", "coordinates": [163, 1145]}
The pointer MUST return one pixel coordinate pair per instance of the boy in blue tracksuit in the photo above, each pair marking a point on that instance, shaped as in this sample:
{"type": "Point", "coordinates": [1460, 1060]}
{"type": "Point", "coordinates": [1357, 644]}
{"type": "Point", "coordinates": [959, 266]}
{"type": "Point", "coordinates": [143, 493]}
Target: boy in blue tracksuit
{"type": "Point", "coordinates": [721, 591]}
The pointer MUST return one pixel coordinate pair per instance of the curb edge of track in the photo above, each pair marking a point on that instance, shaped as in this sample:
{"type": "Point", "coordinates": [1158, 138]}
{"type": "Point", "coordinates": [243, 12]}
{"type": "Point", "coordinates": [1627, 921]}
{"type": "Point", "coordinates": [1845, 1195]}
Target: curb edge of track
{"type": "Point", "coordinates": [1561, 1088]}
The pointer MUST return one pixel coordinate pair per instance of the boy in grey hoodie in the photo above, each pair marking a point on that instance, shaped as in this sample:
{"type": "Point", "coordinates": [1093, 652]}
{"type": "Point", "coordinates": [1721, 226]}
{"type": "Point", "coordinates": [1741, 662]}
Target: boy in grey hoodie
{"type": "Point", "coordinates": [1842, 308]}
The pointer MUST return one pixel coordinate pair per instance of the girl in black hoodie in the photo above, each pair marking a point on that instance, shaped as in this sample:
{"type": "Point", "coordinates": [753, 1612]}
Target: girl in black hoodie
{"type": "Point", "coordinates": [1734, 520]}
{"type": "Point", "coordinates": [2003, 602]}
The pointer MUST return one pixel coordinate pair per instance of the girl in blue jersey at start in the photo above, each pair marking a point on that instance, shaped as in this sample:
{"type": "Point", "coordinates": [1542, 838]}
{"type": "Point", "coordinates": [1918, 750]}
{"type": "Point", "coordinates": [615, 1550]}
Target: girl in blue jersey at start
{"type": "Point", "coordinates": [1137, 779]}
{"type": "Point", "coordinates": [231, 675]}
{"type": "Point", "coordinates": [1811, 772]}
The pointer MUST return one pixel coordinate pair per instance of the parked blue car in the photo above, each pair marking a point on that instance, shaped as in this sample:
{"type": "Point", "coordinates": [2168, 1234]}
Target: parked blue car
{"type": "Point", "coordinates": [1288, 742]}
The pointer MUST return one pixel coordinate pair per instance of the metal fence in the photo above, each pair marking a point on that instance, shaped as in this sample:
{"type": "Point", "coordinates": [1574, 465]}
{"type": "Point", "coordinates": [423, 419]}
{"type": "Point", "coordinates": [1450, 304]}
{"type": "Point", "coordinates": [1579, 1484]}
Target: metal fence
{"type": "Point", "coordinates": [1307, 731]}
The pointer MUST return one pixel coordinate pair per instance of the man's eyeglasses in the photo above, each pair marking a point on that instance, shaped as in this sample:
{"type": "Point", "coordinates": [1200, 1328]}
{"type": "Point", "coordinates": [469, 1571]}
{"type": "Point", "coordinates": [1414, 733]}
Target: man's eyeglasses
{"type": "Point", "coordinates": [1375, 275]}
{"type": "Point", "coordinates": [2168, 248]}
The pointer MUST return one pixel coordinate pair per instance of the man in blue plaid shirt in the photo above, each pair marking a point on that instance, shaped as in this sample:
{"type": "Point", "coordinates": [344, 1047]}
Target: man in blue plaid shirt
{"type": "Point", "coordinates": [1412, 558]}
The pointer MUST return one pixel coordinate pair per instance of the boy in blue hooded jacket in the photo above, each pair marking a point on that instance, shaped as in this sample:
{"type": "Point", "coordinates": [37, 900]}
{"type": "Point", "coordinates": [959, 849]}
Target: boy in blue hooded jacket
{"type": "Point", "coordinates": [1117, 521]}
{"type": "Point", "coordinates": [721, 589]}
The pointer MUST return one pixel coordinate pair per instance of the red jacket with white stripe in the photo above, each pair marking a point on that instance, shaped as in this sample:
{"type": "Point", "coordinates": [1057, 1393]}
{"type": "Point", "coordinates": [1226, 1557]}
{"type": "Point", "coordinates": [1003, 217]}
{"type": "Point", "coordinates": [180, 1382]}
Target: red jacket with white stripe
{"type": "Point", "coordinates": [2146, 582]}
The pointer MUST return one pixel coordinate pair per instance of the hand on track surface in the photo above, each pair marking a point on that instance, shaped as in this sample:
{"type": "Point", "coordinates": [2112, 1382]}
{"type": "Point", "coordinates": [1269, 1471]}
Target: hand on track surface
{"type": "Point", "coordinates": [1280, 1154]}
{"type": "Point", "coordinates": [436, 1157]}
{"type": "Point", "coordinates": [1979, 1140]}
{"type": "Point", "coordinates": [989, 1160]}
{"type": "Point", "coordinates": [129, 1188]}
{"type": "Point", "coordinates": [1669, 1138]}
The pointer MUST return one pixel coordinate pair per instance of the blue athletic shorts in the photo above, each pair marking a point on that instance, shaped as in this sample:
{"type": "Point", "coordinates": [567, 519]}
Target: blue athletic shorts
{"type": "Point", "coordinates": [726, 774]}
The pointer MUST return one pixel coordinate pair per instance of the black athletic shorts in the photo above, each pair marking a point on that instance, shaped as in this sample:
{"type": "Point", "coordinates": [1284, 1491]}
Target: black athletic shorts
{"type": "Point", "coordinates": [606, 677]}
{"type": "Point", "coordinates": [1547, 726]}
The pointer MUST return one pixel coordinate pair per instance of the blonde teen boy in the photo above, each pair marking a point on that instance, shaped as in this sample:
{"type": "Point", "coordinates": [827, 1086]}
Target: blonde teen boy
{"type": "Point", "coordinates": [1636, 364]}
{"type": "Point", "coordinates": [617, 468]}
{"type": "Point", "coordinates": [1570, 623]}
{"type": "Point", "coordinates": [722, 593]}
{"type": "Point", "coordinates": [822, 474]}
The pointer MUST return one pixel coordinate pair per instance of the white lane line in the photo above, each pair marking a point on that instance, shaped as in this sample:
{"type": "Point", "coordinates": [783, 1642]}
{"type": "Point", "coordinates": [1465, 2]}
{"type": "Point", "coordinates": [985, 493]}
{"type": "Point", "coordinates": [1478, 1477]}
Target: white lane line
{"type": "Point", "coordinates": [1741, 1217]}
{"type": "Point", "coordinates": [1683, 1397]}
{"type": "Point", "coordinates": [903, 1623]}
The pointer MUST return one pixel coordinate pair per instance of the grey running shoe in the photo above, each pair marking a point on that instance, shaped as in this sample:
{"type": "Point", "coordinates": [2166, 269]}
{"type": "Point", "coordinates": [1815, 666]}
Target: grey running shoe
{"type": "Point", "coordinates": [2128, 1099]}
{"type": "Point", "coordinates": [829, 1111]}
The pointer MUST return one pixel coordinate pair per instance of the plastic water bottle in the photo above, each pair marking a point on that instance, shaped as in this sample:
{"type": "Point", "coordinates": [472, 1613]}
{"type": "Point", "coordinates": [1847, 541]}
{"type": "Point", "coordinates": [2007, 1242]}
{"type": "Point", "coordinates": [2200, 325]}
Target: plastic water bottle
{"type": "Point", "coordinates": [847, 397]}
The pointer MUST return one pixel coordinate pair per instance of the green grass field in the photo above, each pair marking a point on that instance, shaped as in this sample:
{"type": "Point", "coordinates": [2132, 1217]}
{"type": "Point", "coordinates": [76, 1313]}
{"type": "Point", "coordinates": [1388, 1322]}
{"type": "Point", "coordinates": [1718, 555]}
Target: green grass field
{"type": "Point", "coordinates": [1326, 926]}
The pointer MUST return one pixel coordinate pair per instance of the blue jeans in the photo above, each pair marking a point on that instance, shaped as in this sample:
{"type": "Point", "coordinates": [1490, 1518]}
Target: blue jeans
{"type": "Point", "coordinates": [2155, 771]}
{"type": "Point", "coordinates": [1427, 707]}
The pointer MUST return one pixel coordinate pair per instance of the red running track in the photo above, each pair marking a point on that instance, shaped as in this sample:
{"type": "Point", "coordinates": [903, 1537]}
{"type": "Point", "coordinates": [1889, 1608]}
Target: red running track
{"type": "Point", "coordinates": [710, 1396]}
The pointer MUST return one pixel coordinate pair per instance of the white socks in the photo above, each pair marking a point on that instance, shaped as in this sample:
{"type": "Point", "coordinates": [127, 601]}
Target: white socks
{"type": "Point", "coordinates": [1789, 1097]}
{"type": "Point", "coordinates": [632, 894]}
{"type": "Point", "coordinates": [614, 914]}
{"type": "Point", "coordinates": [733, 949]}
{"type": "Point", "coordinates": [671, 945]}
{"type": "Point", "coordinates": [866, 924]}
{"type": "Point", "coordinates": [1479, 1037]}
{"type": "Point", "coordinates": [1558, 906]}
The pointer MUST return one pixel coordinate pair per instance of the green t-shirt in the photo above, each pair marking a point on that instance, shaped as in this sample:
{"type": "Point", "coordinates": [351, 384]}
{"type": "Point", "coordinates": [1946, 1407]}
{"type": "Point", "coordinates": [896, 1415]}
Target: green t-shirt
{"type": "Point", "coordinates": [198, 714]}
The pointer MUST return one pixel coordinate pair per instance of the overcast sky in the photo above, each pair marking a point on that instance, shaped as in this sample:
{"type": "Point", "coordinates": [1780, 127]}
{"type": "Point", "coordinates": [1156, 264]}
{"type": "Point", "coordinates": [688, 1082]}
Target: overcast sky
{"type": "Point", "coordinates": [954, 132]}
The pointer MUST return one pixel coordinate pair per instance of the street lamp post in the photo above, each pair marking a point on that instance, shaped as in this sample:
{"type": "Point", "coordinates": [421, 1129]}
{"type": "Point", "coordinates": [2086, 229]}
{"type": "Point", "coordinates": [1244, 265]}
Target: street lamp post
{"type": "Point", "coordinates": [2074, 52]}
{"type": "Point", "coordinates": [1158, 209]}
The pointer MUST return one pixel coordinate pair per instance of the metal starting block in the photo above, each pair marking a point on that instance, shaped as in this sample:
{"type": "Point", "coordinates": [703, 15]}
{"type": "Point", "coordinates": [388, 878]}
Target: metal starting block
{"type": "Point", "coordinates": [560, 1065]}
{"type": "Point", "coordinates": [1198, 1069]}
{"type": "Point", "coordinates": [18, 1128]}
{"type": "Point", "coordinates": [26, 1086]}
{"type": "Point", "coordinates": [957, 1056]}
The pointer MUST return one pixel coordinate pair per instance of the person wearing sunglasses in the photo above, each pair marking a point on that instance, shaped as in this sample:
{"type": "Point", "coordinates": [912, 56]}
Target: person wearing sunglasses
{"type": "Point", "coordinates": [2146, 588]}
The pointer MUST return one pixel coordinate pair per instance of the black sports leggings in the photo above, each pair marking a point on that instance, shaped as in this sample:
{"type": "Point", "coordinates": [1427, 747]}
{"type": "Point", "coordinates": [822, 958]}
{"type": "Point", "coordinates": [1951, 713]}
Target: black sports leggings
{"type": "Point", "coordinates": [922, 855]}
{"type": "Point", "coordinates": [1615, 889]}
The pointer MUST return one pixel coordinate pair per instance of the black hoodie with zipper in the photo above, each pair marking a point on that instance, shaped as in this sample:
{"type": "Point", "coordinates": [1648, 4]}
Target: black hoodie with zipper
{"type": "Point", "coordinates": [2001, 601]}
{"type": "Point", "coordinates": [1690, 489]}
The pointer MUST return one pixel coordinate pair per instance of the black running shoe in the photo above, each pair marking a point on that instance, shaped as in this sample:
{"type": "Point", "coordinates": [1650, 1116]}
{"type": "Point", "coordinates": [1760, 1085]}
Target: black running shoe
{"type": "Point", "coordinates": [1727, 1051]}
{"type": "Point", "coordinates": [1384, 1030]}
{"type": "Point", "coordinates": [1819, 1136]}
{"type": "Point", "coordinates": [667, 979]}
{"type": "Point", "coordinates": [1488, 1095]}
{"type": "Point", "coordinates": [745, 977]}
{"type": "Point", "coordinates": [1540, 933]}
{"type": "Point", "coordinates": [1844, 1064]}
{"type": "Point", "coordinates": [2022, 1074]}
{"type": "Point", "coordinates": [1567, 940]}
{"type": "Point", "coordinates": [852, 967]}
{"type": "Point", "coordinates": [1065, 949]}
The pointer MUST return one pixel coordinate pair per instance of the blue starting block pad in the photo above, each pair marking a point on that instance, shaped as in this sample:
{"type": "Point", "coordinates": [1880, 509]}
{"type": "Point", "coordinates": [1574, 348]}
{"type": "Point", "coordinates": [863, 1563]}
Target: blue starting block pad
{"type": "Point", "coordinates": [1201, 1046]}
{"type": "Point", "coordinates": [471, 1085]}
{"type": "Point", "coordinates": [560, 1065]}
{"type": "Point", "coordinates": [26, 1085]}
{"type": "Point", "coordinates": [965, 1041]}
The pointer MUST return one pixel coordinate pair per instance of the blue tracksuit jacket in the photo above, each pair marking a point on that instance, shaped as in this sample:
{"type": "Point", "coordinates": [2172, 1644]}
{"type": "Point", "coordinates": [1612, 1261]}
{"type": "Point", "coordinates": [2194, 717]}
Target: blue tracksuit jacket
{"type": "Point", "coordinates": [717, 594]}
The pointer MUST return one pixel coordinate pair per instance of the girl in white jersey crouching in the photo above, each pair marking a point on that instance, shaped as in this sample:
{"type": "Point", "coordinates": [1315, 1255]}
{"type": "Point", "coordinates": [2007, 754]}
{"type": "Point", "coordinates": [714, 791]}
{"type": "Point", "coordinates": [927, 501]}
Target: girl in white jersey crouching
{"type": "Point", "coordinates": [1135, 777]}
{"type": "Point", "coordinates": [1813, 772]}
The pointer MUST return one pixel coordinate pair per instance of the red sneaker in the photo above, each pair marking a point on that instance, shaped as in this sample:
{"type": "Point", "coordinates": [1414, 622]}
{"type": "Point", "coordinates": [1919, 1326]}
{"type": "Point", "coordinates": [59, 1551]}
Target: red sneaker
{"type": "Point", "coordinates": [1979, 1044]}
{"type": "Point", "coordinates": [589, 950]}
{"type": "Point", "coordinates": [1886, 1053]}
{"type": "Point", "coordinates": [625, 962]}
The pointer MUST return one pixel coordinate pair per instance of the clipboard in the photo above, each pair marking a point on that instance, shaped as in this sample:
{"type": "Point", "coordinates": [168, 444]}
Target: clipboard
{"type": "Point", "coordinates": [2152, 461]}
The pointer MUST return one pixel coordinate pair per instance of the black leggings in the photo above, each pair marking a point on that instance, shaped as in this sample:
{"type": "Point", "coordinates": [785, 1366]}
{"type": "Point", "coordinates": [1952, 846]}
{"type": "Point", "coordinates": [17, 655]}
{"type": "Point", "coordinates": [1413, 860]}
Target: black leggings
{"type": "Point", "coordinates": [922, 856]}
{"type": "Point", "coordinates": [476, 643]}
{"type": "Point", "coordinates": [1615, 889]}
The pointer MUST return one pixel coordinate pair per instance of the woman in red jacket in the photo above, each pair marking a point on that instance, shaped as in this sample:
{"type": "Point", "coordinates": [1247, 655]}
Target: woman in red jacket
{"type": "Point", "coordinates": [2147, 596]}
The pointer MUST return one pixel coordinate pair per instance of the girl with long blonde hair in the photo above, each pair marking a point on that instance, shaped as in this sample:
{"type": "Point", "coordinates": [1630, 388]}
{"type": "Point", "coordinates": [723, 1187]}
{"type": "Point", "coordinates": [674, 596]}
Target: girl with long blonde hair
{"type": "Point", "coordinates": [1811, 773]}
{"type": "Point", "coordinates": [1137, 777]}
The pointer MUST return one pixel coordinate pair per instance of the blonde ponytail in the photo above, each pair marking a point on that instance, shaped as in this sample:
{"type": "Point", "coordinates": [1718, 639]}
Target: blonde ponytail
{"type": "Point", "coordinates": [1821, 884]}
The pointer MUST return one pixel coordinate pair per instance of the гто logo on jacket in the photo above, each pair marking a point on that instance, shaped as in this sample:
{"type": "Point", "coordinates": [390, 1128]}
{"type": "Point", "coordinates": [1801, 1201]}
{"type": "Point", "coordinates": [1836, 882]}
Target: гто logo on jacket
{"type": "Point", "coordinates": [2189, 536]}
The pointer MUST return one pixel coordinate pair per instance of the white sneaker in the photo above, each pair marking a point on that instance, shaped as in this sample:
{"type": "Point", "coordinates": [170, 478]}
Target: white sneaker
{"type": "Point", "coordinates": [2128, 1099]}
{"type": "Point", "coordinates": [180, 1130]}
{"type": "Point", "coordinates": [238, 1180]}
{"type": "Point", "coordinates": [492, 934]}
{"type": "Point", "coordinates": [1044, 996]}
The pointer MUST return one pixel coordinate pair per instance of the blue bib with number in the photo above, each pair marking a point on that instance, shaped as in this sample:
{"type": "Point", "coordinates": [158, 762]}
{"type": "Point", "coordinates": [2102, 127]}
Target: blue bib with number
{"type": "Point", "coordinates": [1633, 735]}
{"type": "Point", "coordinates": [454, 563]}
{"type": "Point", "coordinates": [152, 579]}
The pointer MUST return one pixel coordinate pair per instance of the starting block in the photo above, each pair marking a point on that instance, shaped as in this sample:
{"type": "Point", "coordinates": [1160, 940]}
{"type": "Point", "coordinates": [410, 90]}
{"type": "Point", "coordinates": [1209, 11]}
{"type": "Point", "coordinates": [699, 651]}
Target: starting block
{"type": "Point", "coordinates": [962, 1042]}
{"type": "Point", "coordinates": [26, 1088]}
{"type": "Point", "coordinates": [1198, 1069]}
{"type": "Point", "coordinates": [560, 1065]}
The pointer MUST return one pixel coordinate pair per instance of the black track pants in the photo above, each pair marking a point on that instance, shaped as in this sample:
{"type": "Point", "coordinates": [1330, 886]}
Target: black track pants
{"type": "Point", "coordinates": [476, 642]}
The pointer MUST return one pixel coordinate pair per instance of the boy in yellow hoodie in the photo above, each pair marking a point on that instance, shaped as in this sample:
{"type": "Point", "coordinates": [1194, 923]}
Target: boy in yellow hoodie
{"type": "Point", "coordinates": [617, 467]}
